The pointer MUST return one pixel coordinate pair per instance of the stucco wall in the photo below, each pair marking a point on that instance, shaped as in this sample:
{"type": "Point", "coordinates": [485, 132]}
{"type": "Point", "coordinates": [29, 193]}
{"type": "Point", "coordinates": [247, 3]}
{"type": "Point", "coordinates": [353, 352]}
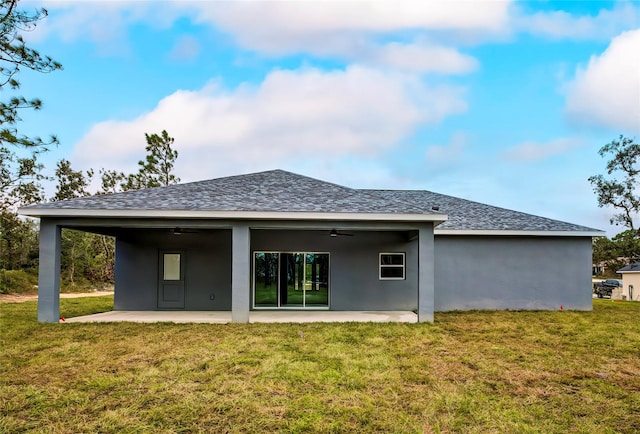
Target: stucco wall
{"type": "Point", "coordinates": [512, 273]}
{"type": "Point", "coordinates": [470, 272]}
{"type": "Point", "coordinates": [207, 273]}
{"type": "Point", "coordinates": [631, 279]}
{"type": "Point", "coordinates": [354, 282]}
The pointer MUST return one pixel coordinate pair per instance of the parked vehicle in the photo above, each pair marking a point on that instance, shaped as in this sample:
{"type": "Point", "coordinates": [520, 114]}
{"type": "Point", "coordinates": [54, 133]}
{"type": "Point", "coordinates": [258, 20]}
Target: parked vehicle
{"type": "Point", "coordinates": [606, 287]}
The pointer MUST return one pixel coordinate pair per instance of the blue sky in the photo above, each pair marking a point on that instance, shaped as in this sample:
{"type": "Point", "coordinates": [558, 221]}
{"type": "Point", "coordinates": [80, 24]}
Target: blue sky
{"type": "Point", "coordinates": [500, 102]}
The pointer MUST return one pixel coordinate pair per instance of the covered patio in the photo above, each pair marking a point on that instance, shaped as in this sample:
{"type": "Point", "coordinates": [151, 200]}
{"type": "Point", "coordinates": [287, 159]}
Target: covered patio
{"type": "Point", "coordinates": [224, 249]}
{"type": "Point", "coordinates": [221, 317]}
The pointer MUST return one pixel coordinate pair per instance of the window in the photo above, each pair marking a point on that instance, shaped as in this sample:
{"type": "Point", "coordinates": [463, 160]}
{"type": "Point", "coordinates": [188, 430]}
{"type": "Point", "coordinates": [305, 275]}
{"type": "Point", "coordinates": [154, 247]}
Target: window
{"type": "Point", "coordinates": [171, 266]}
{"type": "Point", "coordinates": [391, 266]}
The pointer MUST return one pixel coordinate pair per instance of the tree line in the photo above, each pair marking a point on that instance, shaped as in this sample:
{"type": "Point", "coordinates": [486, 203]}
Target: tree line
{"type": "Point", "coordinates": [619, 189]}
{"type": "Point", "coordinates": [20, 172]}
{"type": "Point", "coordinates": [87, 259]}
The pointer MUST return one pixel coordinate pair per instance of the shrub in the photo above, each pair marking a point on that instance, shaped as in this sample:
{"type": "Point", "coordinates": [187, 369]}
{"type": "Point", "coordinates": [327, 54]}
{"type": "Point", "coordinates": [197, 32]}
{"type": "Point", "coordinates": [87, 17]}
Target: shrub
{"type": "Point", "coordinates": [17, 282]}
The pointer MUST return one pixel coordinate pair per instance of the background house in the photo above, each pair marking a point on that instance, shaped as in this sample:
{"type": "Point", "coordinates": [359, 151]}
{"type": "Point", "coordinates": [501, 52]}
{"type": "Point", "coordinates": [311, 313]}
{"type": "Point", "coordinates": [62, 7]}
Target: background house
{"type": "Point", "coordinates": [630, 281]}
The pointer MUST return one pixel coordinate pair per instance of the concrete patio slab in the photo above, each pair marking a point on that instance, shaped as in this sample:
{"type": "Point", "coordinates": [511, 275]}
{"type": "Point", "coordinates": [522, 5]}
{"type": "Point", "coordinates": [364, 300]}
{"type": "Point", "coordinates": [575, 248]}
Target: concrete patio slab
{"type": "Point", "coordinates": [212, 317]}
{"type": "Point", "coordinates": [216, 317]}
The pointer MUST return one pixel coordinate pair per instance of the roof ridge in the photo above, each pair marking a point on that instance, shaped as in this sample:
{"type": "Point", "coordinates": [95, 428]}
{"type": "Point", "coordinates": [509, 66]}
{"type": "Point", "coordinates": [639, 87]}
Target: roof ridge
{"type": "Point", "coordinates": [174, 186]}
{"type": "Point", "coordinates": [395, 200]}
{"type": "Point", "coordinates": [279, 171]}
{"type": "Point", "coordinates": [316, 179]}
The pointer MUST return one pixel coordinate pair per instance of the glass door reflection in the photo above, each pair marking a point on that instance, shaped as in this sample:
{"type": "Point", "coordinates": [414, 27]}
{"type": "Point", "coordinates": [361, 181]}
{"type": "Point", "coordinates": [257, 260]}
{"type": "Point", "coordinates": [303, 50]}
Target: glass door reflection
{"type": "Point", "coordinates": [291, 280]}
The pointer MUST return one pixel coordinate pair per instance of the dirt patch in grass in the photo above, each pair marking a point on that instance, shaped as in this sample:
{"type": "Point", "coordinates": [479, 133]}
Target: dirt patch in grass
{"type": "Point", "coordinates": [21, 298]}
{"type": "Point", "coordinates": [468, 372]}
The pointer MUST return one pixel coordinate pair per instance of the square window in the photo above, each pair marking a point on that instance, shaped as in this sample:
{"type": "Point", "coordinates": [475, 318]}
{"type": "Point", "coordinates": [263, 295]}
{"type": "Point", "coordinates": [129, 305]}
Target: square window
{"type": "Point", "coordinates": [171, 266]}
{"type": "Point", "coordinates": [392, 259]}
{"type": "Point", "coordinates": [392, 266]}
{"type": "Point", "coordinates": [391, 273]}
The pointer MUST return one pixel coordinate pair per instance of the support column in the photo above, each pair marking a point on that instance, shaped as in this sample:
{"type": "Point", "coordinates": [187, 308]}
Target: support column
{"type": "Point", "coordinates": [240, 273]}
{"type": "Point", "coordinates": [426, 273]}
{"type": "Point", "coordinates": [49, 272]}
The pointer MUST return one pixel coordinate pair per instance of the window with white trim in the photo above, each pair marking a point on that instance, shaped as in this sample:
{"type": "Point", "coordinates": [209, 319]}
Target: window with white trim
{"type": "Point", "coordinates": [391, 266]}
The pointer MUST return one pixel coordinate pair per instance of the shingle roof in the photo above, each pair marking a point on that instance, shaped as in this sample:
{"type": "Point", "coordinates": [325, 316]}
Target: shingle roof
{"type": "Point", "coordinates": [631, 268]}
{"type": "Point", "coordinates": [468, 215]}
{"type": "Point", "coordinates": [274, 190]}
{"type": "Point", "coordinates": [282, 191]}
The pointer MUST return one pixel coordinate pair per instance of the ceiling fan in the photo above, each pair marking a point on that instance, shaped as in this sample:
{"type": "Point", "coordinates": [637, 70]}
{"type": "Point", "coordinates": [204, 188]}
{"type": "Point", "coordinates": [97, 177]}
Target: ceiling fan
{"type": "Point", "coordinates": [180, 231]}
{"type": "Point", "coordinates": [335, 233]}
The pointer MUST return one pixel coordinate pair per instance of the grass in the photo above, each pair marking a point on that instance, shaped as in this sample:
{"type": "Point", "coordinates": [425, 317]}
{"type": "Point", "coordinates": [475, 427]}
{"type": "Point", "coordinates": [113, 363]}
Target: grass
{"type": "Point", "coordinates": [469, 372]}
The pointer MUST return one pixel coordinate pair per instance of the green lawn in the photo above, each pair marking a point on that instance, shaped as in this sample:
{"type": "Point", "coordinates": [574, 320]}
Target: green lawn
{"type": "Point", "coordinates": [469, 372]}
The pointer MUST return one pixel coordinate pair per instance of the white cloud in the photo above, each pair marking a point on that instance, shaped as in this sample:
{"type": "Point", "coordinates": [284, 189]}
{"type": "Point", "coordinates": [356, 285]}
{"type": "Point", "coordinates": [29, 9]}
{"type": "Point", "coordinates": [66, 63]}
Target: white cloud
{"type": "Point", "coordinates": [385, 33]}
{"type": "Point", "coordinates": [560, 24]}
{"type": "Point", "coordinates": [532, 151]}
{"type": "Point", "coordinates": [360, 32]}
{"type": "Point", "coordinates": [100, 22]}
{"type": "Point", "coordinates": [423, 58]}
{"type": "Point", "coordinates": [377, 33]}
{"type": "Point", "coordinates": [291, 26]}
{"type": "Point", "coordinates": [607, 92]}
{"type": "Point", "coordinates": [290, 115]}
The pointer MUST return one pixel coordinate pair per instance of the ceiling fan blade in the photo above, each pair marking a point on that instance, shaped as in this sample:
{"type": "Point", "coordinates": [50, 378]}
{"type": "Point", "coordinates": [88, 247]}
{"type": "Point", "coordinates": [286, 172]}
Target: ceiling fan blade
{"type": "Point", "coordinates": [180, 231]}
{"type": "Point", "coordinates": [335, 233]}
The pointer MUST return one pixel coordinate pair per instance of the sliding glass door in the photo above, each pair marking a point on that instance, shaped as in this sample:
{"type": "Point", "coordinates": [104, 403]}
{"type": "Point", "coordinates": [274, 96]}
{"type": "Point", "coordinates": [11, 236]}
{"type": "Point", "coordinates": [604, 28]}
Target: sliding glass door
{"type": "Point", "coordinates": [316, 279]}
{"type": "Point", "coordinates": [291, 280]}
{"type": "Point", "coordinates": [265, 279]}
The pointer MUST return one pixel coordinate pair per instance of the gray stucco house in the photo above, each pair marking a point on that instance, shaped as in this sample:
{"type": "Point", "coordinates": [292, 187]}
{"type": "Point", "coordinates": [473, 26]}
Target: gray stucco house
{"type": "Point", "coordinates": [278, 240]}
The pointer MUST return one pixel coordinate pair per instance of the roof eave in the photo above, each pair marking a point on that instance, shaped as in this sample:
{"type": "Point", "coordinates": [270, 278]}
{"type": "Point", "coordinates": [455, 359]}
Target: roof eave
{"type": "Point", "coordinates": [519, 233]}
{"type": "Point", "coordinates": [231, 215]}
